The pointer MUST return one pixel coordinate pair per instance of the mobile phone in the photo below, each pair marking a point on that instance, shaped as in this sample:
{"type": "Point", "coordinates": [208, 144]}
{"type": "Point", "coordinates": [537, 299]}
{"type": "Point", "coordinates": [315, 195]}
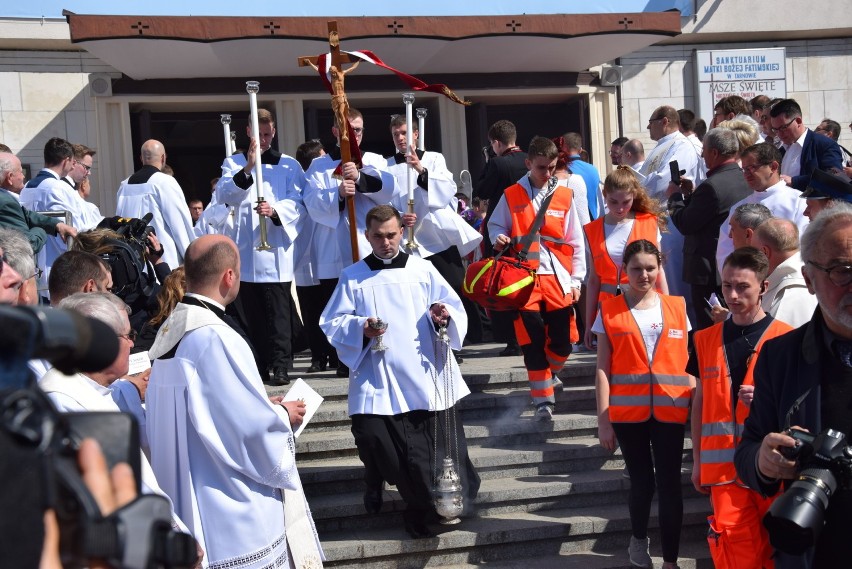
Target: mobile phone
{"type": "Point", "coordinates": [674, 168]}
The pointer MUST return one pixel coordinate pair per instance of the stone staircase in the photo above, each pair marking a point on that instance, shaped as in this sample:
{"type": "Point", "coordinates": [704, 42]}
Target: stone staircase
{"type": "Point", "coordinates": [550, 495]}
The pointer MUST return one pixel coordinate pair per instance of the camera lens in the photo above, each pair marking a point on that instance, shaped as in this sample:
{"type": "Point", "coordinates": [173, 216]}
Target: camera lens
{"type": "Point", "coordinates": [796, 518]}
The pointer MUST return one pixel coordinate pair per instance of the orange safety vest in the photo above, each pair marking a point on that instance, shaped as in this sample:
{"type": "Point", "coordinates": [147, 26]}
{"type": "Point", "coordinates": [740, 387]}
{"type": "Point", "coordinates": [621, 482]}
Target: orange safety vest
{"type": "Point", "coordinates": [552, 229]}
{"type": "Point", "coordinates": [645, 226]}
{"type": "Point", "coordinates": [638, 389]}
{"type": "Point", "coordinates": [721, 425]}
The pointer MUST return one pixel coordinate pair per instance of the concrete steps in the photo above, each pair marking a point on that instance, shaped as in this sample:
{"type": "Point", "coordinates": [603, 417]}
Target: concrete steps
{"type": "Point", "coordinates": [550, 495]}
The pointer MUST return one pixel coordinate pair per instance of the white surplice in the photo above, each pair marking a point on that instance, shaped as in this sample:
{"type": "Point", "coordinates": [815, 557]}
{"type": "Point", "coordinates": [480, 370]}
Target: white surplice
{"type": "Point", "coordinates": [331, 249]}
{"type": "Point", "coordinates": [404, 377]}
{"type": "Point", "coordinates": [439, 226]}
{"type": "Point", "coordinates": [221, 450]}
{"type": "Point", "coordinates": [150, 191]}
{"type": "Point", "coordinates": [283, 182]}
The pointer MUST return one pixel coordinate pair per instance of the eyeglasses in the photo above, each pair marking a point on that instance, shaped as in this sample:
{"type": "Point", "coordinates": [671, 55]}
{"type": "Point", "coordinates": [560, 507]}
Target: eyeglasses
{"type": "Point", "coordinates": [783, 126]}
{"type": "Point", "coordinates": [36, 275]}
{"type": "Point", "coordinates": [656, 119]}
{"type": "Point", "coordinates": [86, 166]}
{"type": "Point", "coordinates": [839, 275]}
{"type": "Point", "coordinates": [129, 336]}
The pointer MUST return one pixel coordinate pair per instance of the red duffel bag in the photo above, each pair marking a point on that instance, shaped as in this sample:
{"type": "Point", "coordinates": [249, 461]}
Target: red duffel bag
{"type": "Point", "coordinates": [499, 283]}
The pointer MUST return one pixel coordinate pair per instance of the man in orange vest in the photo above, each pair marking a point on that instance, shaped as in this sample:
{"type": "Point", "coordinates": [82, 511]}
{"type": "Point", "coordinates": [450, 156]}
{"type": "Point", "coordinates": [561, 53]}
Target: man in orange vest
{"type": "Point", "coordinates": [724, 359]}
{"type": "Point", "coordinates": [543, 326]}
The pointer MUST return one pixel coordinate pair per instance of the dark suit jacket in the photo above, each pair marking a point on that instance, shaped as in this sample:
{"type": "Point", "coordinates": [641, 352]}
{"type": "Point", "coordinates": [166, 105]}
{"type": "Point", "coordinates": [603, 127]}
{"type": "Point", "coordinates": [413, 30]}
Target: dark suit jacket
{"type": "Point", "coordinates": [699, 217]}
{"type": "Point", "coordinates": [818, 152]}
{"type": "Point", "coordinates": [500, 173]}
{"type": "Point", "coordinates": [786, 368]}
{"type": "Point", "coordinates": [32, 224]}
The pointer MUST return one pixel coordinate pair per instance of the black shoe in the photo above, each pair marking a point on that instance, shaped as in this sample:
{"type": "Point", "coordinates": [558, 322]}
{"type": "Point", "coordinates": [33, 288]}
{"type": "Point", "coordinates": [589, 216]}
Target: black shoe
{"type": "Point", "coordinates": [459, 358]}
{"type": "Point", "coordinates": [342, 370]}
{"type": "Point", "coordinates": [417, 529]}
{"type": "Point", "coordinates": [333, 362]}
{"type": "Point", "coordinates": [373, 500]}
{"type": "Point", "coordinates": [511, 350]}
{"type": "Point", "coordinates": [279, 378]}
{"type": "Point", "coordinates": [317, 366]}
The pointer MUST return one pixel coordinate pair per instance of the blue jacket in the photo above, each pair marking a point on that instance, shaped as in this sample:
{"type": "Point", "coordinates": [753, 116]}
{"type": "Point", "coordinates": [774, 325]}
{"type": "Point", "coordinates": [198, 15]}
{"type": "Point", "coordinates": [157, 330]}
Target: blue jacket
{"type": "Point", "coordinates": [818, 152]}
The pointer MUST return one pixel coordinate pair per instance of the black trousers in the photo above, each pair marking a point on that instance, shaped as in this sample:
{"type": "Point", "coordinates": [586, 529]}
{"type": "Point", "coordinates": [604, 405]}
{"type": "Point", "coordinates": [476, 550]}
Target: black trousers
{"type": "Point", "coordinates": [401, 449]}
{"type": "Point", "coordinates": [312, 301]}
{"type": "Point", "coordinates": [449, 265]}
{"type": "Point", "coordinates": [264, 311]}
{"type": "Point", "coordinates": [665, 441]}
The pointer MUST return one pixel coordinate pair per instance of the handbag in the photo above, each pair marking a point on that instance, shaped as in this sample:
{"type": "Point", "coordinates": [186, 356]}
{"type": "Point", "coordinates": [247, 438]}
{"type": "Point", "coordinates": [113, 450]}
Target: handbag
{"type": "Point", "coordinates": [503, 282]}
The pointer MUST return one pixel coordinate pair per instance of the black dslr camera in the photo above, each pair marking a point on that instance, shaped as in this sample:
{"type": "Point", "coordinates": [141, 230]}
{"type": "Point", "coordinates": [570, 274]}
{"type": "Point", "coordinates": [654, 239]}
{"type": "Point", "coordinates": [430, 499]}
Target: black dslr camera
{"type": "Point", "coordinates": [796, 518]}
{"type": "Point", "coordinates": [38, 454]}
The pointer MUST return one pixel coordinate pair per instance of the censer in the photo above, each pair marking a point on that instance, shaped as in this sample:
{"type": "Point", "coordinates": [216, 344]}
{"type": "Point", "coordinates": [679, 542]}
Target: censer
{"type": "Point", "coordinates": [447, 491]}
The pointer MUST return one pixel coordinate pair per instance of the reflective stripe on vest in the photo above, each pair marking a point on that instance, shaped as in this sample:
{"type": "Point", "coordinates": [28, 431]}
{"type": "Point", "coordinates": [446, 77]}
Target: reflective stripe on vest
{"type": "Point", "coordinates": [721, 423]}
{"type": "Point", "coordinates": [552, 229]}
{"type": "Point", "coordinates": [638, 390]}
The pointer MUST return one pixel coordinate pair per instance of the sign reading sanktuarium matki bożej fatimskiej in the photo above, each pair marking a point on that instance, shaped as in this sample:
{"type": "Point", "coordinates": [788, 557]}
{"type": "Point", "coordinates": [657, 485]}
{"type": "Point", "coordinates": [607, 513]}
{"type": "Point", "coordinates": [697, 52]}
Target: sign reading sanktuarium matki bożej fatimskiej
{"type": "Point", "coordinates": [744, 72]}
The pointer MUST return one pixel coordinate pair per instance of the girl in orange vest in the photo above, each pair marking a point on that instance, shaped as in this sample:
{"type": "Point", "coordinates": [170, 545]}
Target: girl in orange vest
{"type": "Point", "coordinates": [631, 215]}
{"type": "Point", "coordinates": [643, 396]}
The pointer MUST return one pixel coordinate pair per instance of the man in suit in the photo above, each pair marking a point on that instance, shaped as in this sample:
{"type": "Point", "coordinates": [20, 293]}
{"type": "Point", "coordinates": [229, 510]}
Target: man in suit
{"type": "Point", "coordinates": [15, 216]}
{"type": "Point", "coordinates": [801, 379]}
{"type": "Point", "coordinates": [504, 169]}
{"type": "Point", "coordinates": [805, 150]}
{"type": "Point", "coordinates": [699, 214]}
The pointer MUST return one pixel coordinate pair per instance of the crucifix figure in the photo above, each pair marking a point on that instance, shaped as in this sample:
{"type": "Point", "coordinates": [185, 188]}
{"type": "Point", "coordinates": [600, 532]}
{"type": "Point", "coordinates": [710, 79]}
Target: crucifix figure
{"type": "Point", "coordinates": [340, 106]}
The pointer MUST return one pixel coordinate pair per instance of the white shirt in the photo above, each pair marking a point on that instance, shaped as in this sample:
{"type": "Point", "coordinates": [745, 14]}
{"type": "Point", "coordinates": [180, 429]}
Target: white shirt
{"type": "Point", "coordinates": [787, 297]}
{"type": "Point", "coordinates": [656, 170]}
{"type": "Point", "coordinates": [782, 200]}
{"type": "Point", "coordinates": [791, 164]}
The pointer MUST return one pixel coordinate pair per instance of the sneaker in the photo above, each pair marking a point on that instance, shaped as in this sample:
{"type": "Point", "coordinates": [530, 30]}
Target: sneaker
{"type": "Point", "coordinates": [557, 384]}
{"type": "Point", "coordinates": [638, 552]}
{"type": "Point", "coordinates": [544, 412]}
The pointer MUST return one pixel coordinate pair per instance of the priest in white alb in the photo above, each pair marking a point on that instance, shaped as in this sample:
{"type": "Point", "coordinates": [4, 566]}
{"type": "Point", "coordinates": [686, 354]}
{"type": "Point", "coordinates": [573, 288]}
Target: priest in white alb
{"type": "Point", "coordinates": [397, 397]}
{"type": "Point", "coordinates": [223, 450]}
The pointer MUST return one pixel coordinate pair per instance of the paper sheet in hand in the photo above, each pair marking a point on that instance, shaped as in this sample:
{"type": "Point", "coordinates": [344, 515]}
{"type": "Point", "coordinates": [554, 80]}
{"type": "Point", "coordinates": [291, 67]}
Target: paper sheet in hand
{"type": "Point", "coordinates": [139, 362]}
{"type": "Point", "coordinates": [301, 391]}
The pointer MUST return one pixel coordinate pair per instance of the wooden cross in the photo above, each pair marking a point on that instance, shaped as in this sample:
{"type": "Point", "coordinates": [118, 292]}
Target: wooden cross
{"type": "Point", "coordinates": [139, 26]}
{"type": "Point", "coordinates": [626, 23]}
{"type": "Point", "coordinates": [340, 106]}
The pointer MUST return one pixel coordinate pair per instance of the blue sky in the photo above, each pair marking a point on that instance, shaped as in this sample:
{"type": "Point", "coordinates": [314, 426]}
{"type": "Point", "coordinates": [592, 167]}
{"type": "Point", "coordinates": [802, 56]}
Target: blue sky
{"type": "Point", "coordinates": [53, 8]}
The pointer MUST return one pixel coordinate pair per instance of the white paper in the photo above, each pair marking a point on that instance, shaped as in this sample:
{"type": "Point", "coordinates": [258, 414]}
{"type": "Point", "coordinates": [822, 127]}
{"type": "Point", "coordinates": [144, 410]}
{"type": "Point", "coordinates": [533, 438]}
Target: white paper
{"type": "Point", "coordinates": [139, 362]}
{"type": "Point", "coordinates": [301, 391]}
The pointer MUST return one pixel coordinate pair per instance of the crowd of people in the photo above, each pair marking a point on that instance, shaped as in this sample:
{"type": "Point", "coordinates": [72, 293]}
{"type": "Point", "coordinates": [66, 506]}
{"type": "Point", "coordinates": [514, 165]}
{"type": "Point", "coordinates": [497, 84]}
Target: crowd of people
{"type": "Point", "coordinates": [680, 269]}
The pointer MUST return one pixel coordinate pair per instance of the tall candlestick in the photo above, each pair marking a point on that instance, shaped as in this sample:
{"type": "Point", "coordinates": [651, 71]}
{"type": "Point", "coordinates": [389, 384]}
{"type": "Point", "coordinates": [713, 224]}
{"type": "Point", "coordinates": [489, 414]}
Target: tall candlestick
{"type": "Point", "coordinates": [421, 127]}
{"type": "Point", "coordinates": [233, 142]}
{"type": "Point", "coordinates": [408, 99]}
{"type": "Point", "coordinates": [226, 127]}
{"type": "Point", "coordinates": [252, 87]}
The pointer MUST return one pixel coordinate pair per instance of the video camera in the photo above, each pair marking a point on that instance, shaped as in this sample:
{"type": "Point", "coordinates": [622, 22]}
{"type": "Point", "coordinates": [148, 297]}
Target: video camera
{"type": "Point", "coordinates": [39, 449]}
{"type": "Point", "coordinates": [128, 258]}
{"type": "Point", "coordinates": [796, 518]}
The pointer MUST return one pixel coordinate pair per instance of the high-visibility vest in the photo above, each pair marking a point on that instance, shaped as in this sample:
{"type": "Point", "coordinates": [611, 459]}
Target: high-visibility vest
{"type": "Point", "coordinates": [645, 226]}
{"type": "Point", "coordinates": [638, 389]}
{"type": "Point", "coordinates": [552, 229]}
{"type": "Point", "coordinates": [721, 422]}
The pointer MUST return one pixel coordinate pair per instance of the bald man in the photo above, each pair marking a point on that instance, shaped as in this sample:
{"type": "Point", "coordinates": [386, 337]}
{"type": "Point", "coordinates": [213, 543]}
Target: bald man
{"type": "Point", "coordinates": [222, 449]}
{"type": "Point", "coordinates": [786, 297]}
{"type": "Point", "coordinates": [149, 190]}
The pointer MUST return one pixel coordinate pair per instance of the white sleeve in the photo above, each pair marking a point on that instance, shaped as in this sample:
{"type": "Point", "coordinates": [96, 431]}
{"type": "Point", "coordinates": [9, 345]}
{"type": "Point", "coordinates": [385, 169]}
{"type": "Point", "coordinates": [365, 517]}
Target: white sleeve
{"type": "Point", "coordinates": [233, 416]}
{"type": "Point", "coordinates": [574, 237]}
{"type": "Point", "coordinates": [342, 326]}
{"type": "Point", "coordinates": [500, 221]}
